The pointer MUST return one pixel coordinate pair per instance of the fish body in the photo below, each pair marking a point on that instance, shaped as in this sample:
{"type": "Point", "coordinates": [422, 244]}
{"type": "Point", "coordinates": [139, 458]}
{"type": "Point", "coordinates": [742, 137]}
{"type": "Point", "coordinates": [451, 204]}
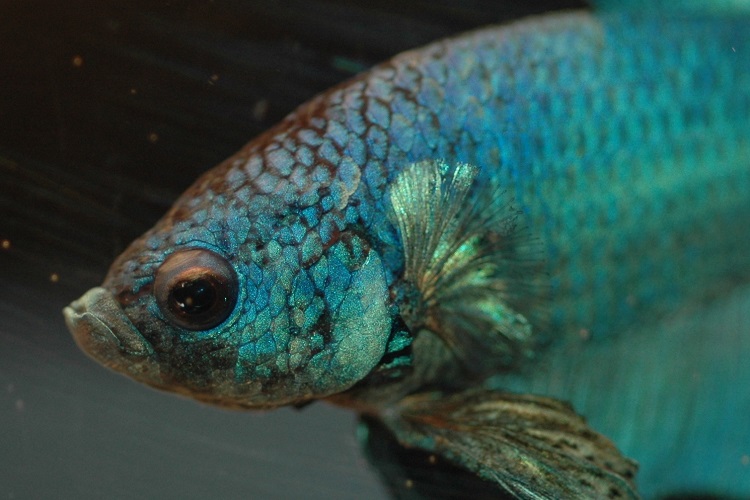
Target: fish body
{"type": "Point", "coordinates": [452, 213]}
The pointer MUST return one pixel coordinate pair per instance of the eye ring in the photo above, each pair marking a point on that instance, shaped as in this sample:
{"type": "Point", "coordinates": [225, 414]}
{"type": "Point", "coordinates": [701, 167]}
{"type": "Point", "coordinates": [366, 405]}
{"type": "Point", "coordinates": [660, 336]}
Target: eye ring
{"type": "Point", "coordinates": [195, 289]}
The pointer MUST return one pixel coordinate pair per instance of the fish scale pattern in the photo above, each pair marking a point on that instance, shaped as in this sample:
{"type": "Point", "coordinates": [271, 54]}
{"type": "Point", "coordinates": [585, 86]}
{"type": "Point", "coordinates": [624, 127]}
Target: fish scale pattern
{"type": "Point", "coordinates": [591, 131]}
{"type": "Point", "coordinates": [622, 140]}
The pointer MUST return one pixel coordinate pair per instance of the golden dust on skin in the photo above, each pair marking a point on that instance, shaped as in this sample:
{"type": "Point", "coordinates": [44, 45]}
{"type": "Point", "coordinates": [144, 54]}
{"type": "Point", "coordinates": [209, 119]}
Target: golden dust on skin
{"type": "Point", "coordinates": [5, 244]}
{"type": "Point", "coordinates": [153, 137]}
{"type": "Point", "coordinates": [77, 61]}
{"type": "Point", "coordinates": [745, 460]}
{"type": "Point", "coordinates": [54, 277]}
{"type": "Point", "coordinates": [409, 484]}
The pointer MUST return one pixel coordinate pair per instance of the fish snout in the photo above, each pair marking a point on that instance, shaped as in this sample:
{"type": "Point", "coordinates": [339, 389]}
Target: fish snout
{"type": "Point", "coordinates": [104, 332]}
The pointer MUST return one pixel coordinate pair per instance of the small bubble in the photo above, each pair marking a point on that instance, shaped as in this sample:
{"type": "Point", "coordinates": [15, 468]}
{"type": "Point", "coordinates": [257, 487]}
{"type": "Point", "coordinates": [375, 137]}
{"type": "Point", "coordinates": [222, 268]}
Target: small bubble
{"type": "Point", "coordinates": [409, 484]}
{"type": "Point", "coordinates": [20, 405]}
{"type": "Point", "coordinates": [153, 137]}
{"type": "Point", "coordinates": [5, 244]}
{"type": "Point", "coordinates": [54, 277]}
{"type": "Point", "coordinates": [77, 61]}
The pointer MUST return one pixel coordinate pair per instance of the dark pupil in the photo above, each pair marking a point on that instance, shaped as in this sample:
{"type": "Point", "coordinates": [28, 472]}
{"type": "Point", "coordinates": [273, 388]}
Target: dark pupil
{"type": "Point", "coordinates": [195, 297]}
{"type": "Point", "coordinates": [195, 289]}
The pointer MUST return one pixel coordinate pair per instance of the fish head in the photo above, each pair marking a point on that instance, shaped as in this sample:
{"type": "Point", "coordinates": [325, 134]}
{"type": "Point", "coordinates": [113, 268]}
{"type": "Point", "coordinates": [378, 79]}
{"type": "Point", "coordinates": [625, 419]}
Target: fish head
{"type": "Point", "coordinates": [242, 297]}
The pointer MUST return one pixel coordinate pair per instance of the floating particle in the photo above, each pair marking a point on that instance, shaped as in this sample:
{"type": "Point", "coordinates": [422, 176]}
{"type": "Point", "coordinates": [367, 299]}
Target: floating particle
{"type": "Point", "coordinates": [5, 244]}
{"type": "Point", "coordinates": [77, 61]}
{"type": "Point", "coordinates": [260, 109]}
{"type": "Point", "coordinates": [348, 65]}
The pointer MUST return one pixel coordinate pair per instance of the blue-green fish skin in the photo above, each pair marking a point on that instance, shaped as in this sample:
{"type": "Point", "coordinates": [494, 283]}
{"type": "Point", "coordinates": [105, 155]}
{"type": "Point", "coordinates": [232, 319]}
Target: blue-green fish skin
{"type": "Point", "coordinates": [670, 394]}
{"type": "Point", "coordinates": [621, 140]}
{"type": "Point", "coordinates": [732, 7]}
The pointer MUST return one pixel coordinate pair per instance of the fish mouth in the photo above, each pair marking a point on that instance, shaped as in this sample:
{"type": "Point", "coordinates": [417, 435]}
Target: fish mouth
{"type": "Point", "coordinates": [103, 331]}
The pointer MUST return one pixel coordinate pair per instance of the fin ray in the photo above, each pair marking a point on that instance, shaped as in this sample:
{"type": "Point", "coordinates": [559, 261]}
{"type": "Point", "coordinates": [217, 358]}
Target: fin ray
{"type": "Point", "coordinates": [470, 266]}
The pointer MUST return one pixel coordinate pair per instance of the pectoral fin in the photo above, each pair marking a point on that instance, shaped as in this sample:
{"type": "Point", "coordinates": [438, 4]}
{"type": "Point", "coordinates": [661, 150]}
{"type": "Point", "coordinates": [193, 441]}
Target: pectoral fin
{"type": "Point", "coordinates": [533, 447]}
{"type": "Point", "coordinates": [471, 273]}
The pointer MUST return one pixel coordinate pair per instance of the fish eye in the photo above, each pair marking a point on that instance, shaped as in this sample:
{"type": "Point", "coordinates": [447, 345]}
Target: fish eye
{"type": "Point", "coordinates": [195, 289]}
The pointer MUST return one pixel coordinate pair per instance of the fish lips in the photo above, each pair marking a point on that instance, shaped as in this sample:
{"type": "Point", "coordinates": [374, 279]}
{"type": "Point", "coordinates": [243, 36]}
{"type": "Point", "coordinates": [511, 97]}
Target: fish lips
{"type": "Point", "coordinates": [103, 331]}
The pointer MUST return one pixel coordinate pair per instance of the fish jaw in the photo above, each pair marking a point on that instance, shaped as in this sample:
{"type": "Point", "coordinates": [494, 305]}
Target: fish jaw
{"type": "Point", "coordinates": [103, 331]}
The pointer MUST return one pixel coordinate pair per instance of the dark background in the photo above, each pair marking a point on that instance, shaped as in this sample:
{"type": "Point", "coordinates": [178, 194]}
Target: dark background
{"type": "Point", "coordinates": [108, 110]}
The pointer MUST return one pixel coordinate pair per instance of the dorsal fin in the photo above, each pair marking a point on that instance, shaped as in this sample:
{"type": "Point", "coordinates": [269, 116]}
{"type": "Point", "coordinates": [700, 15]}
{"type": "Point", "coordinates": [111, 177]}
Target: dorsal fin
{"type": "Point", "coordinates": [467, 265]}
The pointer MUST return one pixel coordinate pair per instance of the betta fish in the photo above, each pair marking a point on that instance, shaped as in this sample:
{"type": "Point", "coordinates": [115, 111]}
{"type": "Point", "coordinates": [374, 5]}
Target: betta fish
{"type": "Point", "coordinates": [424, 241]}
